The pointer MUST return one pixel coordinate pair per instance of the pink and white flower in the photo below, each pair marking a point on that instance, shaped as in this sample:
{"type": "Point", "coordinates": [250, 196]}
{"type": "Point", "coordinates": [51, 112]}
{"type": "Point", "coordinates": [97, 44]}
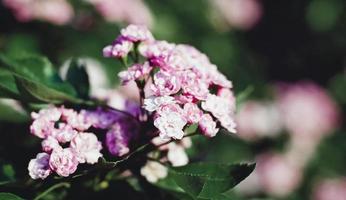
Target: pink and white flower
{"type": "Point", "coordinates": [63, 161]}
{"type": "Point", "coordinates": [87, 148]}
{"type": "Point", "coordinates": [208, 125]}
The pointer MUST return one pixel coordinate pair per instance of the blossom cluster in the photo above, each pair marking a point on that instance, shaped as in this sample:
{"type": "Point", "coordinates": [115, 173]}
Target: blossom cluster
{"type": "Point", "coordinates": [68, 142]}
{"type": "Point", "coordinates": [182, 86]}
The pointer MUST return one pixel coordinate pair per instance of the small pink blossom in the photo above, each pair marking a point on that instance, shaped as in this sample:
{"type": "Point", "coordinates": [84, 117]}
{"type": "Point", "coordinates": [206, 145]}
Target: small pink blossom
{"type": "Point", "coordinates": [136, 72]}
{"type": "Point", "coordinates": [39, 167]}
{"type": "Point", "coordinates": [64, 133]}
{"type": "Point", "coordinates": [42, 128]}
{"type": "Point", "coordinates": [192, 112]}
{"type": "Point", "coordinates": [165, 84]}
{"type": "Point", "coordinates": [49, 144]}
{"type": "Point", "coordinates": [87, 148]}
{"type": "Point", "coordinates": [63, 161]}
{"type": "Point", "coordinates": [119, 49]}
{"type": "Point", "coordinates": [208, 126]}
{"type": "Point", "coordinates": [137, 33]}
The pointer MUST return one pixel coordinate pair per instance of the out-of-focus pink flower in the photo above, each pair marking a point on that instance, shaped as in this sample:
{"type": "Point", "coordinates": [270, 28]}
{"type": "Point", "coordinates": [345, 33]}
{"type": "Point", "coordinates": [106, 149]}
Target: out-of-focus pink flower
{"type": "Point", "coordinates": [278, 176]}
{"type": "Point", "coordinates": [39, 167]}
{"type": "Point", "coordinates": [208, 125]}
{"type": "Point", "coordinates": [241, 14]}
{"type": "Point", "coordinates": [58, 12]}
{"type": "Point", "coordinates": [63, 161]}
{"type": "Point", "coordinates": [86, 147]}
{"type": "Point", "coordinates": [307, 109]}
{"type": "Point", "coordinates": [330, 189]}
{"type": "Point", "coordinates": [257, 119]}
{"type": "Point", "coordinates": [129, 11]}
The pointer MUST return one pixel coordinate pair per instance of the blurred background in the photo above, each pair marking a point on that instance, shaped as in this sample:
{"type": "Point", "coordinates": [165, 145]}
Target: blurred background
{"type": "Point", "coordinates": [286, 59]}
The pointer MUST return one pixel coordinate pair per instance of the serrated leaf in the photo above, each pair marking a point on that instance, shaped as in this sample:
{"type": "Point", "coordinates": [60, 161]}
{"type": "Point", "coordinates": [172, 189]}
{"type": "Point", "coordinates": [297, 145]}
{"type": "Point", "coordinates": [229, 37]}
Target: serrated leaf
{"type": "Point", "coordinates": [9, 196]}
{"type": "Point", "coordinates": [208, 180]}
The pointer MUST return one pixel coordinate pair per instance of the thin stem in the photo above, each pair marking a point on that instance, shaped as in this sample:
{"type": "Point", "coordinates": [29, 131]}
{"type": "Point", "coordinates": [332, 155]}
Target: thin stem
{"type": "Point", "coordinates": [63, 184]}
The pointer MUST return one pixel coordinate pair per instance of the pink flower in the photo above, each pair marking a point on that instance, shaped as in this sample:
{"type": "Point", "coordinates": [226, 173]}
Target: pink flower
{"type": "Point", "coordinates": [136, 72]}
{"type": "Point", "coordinates": [87, 148]}
{"type": "Point", "coordinates": [39, 167]}
{"type": "Point", "coordinates": [165, 84]}
{"type": "Point", "coordinates": [119, 49]}
{"type": "Point", "coordinates": [153, 171]}
{"type": "Point", "coordinates": [63, 161]}
{"type": "Point", "coordinates": [49, 144]}
{"type": "Point", "coordinates": [208, 126]}
{"type": "Point", "coordinates": [137, 33]}
{"type": "Point", "coordinates": [42, 128]}
{"type": "Point", "coordinates": [192, 113]}
{"type": "Point", "coordinates": [64, 133]}
{"type": "Point", "coordinates": [50, 114]}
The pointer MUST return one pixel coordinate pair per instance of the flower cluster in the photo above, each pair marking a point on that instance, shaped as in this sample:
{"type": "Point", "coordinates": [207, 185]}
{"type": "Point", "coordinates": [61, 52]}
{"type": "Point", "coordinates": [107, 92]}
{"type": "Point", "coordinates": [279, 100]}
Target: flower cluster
{"type": "Point", "coordinates": [67, 141]}
{"type": "Point", "coordinates": [184, 87]}
{"type": "Point", "coordinates": [58, 12]}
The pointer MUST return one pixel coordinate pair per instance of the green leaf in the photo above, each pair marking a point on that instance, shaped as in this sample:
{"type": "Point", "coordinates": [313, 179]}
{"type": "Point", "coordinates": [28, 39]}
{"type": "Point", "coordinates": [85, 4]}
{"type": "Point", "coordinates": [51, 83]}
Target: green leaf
{"type": "Point", "coordinates": [208, 180]}
{"type": "Point", "coordinates": [37, 80]}
{"type": "Point", "coordinates": [8, 88]}
{"type": "Point", "coordinates": [78, 78]}
{"type": "Point", "coordinates": [9, 196]}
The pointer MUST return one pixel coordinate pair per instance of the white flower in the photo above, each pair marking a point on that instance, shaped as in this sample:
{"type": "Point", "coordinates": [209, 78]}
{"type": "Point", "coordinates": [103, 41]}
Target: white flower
{"type": "Point", "coordinates": [171, 125]}
{"type": "Point", "coordinates": [177, 155]}
{"type": "Point", "coordinates": [153, 171]}
{"type": "Point", "coordinates": [153, 103]}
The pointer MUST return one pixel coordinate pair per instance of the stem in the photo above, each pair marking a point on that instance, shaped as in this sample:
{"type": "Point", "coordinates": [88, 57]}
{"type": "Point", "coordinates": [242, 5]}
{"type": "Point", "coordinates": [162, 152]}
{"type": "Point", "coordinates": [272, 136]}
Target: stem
{"type": "Point", "coordinates": [63, 184]}
{"type": "Point", "coordinates": [143, 115]}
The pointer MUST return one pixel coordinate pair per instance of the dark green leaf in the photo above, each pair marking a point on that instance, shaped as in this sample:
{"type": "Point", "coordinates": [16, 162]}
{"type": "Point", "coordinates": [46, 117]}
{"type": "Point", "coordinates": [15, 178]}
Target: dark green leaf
{"type": "Point", "coordinates": [8, 88]}
{"type": "Point", "coordinates": [9, 196]}
{"type": "Point", "coordinates": [208, 180]}
{"type": "Point", "coordinates": [78, 78]}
